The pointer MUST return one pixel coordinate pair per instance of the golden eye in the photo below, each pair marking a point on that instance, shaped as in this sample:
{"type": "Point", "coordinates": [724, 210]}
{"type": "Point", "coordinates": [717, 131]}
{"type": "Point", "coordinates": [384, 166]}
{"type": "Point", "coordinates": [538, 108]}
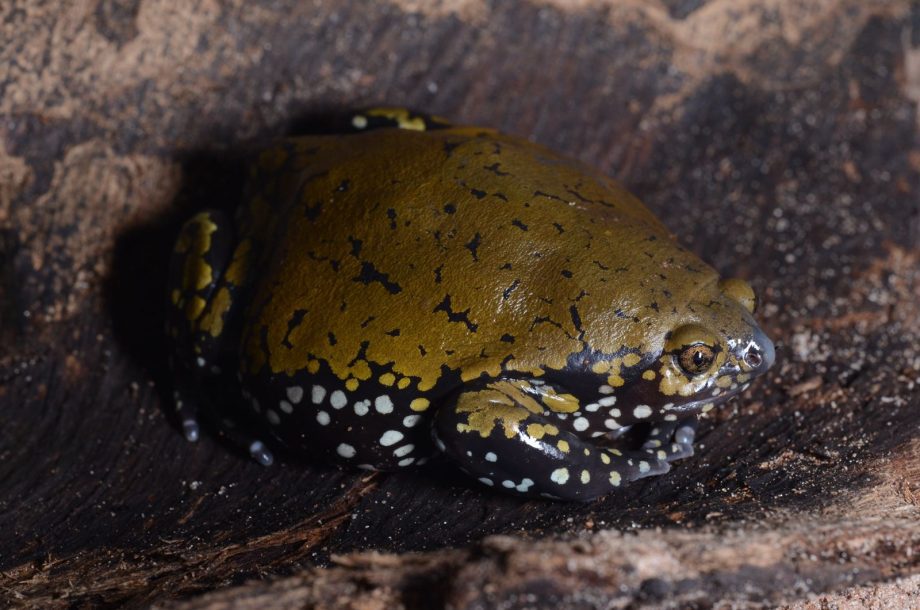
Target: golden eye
{"type": "Point", "coordinates": [696, 359]}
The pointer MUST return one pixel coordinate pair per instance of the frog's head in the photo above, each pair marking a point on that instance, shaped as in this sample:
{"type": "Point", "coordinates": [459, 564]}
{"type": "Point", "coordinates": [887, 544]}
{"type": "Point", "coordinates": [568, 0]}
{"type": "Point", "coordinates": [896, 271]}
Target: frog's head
{"type": "Point", "coordinates": [698, 354]}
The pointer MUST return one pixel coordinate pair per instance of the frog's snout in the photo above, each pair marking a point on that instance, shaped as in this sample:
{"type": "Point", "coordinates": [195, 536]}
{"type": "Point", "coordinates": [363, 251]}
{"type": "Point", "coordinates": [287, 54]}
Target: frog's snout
{"type": "Point", "coordinates": [759, 354]}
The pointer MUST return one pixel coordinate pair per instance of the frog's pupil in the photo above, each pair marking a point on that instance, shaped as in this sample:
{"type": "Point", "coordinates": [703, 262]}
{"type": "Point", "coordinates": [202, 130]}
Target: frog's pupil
{"type": "Point", "coordinates": [698, 358]}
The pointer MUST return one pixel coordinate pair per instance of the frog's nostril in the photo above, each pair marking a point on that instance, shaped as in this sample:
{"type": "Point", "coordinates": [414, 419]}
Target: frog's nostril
{"type": "Point", "coordinates": [753, 358]}
{"type": "Point", "coordinates": [760, 353]}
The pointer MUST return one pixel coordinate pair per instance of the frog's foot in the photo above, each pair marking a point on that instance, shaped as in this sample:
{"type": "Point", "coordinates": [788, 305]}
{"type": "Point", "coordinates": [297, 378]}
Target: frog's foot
{"type": "Point", "coordinates": [500, 437]}
{"type": "Point", "coordinates": [246, 442]}
{"type": "Point", "coordinates": [400, 118]}
{"type": "Point", "coordinates": [189, 413]}
{"type": "Point", "coordinates": [671, 440]}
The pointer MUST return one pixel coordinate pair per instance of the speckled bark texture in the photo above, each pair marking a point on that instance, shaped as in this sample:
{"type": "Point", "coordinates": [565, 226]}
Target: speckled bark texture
{"type": "Point", "coordinates": [777, 138]}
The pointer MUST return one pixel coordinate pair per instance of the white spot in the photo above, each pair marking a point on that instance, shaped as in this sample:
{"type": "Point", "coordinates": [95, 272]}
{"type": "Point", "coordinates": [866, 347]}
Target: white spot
{"type": "Point", "coordinates": [345, 450]}
{"type": "Point", "coordinates": [286, 406]}
{"type": "Point", "coordinates": [295, 394]}
{"type": "Point", "coordinates": [509, 484]}
{"type": "Point", "coordinates": [615, 413]}
{"type": "Point", "coordinates": [491, 457]}
{"type": "Point", "coordinates": [585, 476]}
{"type": "Point", "coordinates": [591, 408]}
{"type": "Point", "coordinates": [644, 467]}
{"type": "Point", "coordinates": [404, 450]}
{"type": "Point", "coordinates": [440, 444]}
{"type": "Point", "coordinates": [612, 424]}
{"type": "Point", "coordinates": [272, 417]}
{"type": "Point", "coordinates": [670, 417]}
{"type": "Point", "coordinates": [406, 461]}
{"type": "Point", "coordinates": [597, 434]}
{"type": "Point", "coordinates": [607, 401]}
{"type": "Point", "coordinates": [605, 389]}
{"type": "Point", "coordinates": [642, 411]}
{"type": "Point", "coordinates": [318, 394]}
{"type": "Point", "coordinates": [716, 392]}
{"type": "Point", "coordinates": [323, 418]}
{"type": "Point", "coordinates": [391, 437]}
{"type": "Point", "coordinates": [409, 421]}
{"type": "Point", "coordinates": [524, 486]}
{"type": "Point", "coordinates": [580, 424]}
{"type": "Point", "coordinates": [338, 399]}
{"type": "Point", "coordinates": [486, 481]}
{"type": "Point", "coordinates": [200, 361]}
{"type": "Point", "coordinates": [366, 467]}
{"type": "Point", "coordinates": [362, 407]}
{"type": "Point", "coordinates": [383, 404]}
{"type": "Point", "coordinates": [560, 476]}
{"type": "Point", "coordinates": [359, 121]}
{"type": "Point", "coordinates": [667, 406]}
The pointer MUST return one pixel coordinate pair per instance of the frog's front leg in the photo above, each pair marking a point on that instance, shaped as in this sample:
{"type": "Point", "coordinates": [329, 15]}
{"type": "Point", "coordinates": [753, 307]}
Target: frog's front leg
{"type": "Point", "coordinates": [499, 434]}
{"type": "Point", "coordinates": [208, 271]}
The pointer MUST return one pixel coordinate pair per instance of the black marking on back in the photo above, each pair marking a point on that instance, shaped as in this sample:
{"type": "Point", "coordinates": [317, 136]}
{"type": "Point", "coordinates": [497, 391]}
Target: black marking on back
{"type": "Point", "coordinates": [294, 322]}
{"type": "Point", "coordinates": [456, 316]}
{"type": "Point", "coordinates": [473, 246]}
{"type": "Point", "coordinates": [370, 274]}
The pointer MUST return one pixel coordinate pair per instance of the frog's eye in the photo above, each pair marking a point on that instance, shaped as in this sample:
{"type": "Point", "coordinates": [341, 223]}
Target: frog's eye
{"type": "Point", "coordinates": [694, 348]}
{"type": "Point", "coordinates": [696, 359]}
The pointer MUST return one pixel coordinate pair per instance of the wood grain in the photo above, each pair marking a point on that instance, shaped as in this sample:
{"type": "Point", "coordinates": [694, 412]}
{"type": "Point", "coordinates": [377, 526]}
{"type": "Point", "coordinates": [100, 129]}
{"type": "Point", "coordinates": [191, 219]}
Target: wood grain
{"type": "Point", "coordinates": [778, 139]}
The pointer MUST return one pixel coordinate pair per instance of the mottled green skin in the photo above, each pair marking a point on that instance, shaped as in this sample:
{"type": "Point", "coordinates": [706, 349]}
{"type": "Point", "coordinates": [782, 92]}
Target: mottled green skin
{"type": "Point", "coordinates": [474, 286]}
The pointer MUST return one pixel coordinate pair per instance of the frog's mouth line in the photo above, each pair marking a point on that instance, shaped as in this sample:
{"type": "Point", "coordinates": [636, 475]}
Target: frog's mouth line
{"type": "Point", "coordinates": [699, 405]}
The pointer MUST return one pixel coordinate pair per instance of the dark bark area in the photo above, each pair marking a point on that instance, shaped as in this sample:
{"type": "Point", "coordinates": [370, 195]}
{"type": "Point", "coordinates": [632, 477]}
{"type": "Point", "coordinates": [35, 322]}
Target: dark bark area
{"type": "Point", "coordinates": [779, 140]}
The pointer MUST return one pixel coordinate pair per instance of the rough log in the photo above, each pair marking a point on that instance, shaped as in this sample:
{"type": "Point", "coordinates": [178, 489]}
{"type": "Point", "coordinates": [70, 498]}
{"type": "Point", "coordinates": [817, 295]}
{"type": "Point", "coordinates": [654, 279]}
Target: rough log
{"type": "Point", "coordinates": [777, 138]}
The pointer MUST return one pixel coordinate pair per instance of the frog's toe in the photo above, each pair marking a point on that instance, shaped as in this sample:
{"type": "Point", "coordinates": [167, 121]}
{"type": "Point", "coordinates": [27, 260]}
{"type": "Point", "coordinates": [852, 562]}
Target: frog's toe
{"type": "Point", "coordinates": [187, 413]}
{"type": "Point", "coordinates": [191, 430]}
{"type": "Point", "coordinates": [671, 441]}
{"type": "Point", "coordinates": [686, 434]}
{"type": "Point", "coordinates": [672, 452]}
{"type": "Point", "coordinates": [641, 465]}
{"type": "Point", "coordinates": [261, 453]}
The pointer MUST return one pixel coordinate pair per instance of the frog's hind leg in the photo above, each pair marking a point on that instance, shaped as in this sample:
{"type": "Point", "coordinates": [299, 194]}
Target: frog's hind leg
{"type": "Point", "coordinates": [400, 118]}
{"type": "Point", "coordinates": [671, 440]}
{"type": "Point", "coordinates": [499, 435]}
{"type": "Point", "coordinates": [208, 271]}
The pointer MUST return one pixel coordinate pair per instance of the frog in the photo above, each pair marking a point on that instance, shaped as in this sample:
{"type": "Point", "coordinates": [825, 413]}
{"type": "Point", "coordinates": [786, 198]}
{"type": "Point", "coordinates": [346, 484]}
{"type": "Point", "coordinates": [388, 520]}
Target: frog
{"type": "Point", "coordinates": [408, 288]}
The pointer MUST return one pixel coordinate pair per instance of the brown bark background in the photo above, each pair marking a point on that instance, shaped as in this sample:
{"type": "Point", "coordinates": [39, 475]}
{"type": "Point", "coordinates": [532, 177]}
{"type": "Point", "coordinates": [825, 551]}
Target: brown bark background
{"type": "Point", "coordinates": [777, 138]}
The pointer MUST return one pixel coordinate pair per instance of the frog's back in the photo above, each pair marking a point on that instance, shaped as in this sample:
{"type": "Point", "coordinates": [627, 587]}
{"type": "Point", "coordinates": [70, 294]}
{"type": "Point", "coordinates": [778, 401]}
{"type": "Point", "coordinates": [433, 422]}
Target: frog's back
{"type": "Point", "coordinates": [424, 259]}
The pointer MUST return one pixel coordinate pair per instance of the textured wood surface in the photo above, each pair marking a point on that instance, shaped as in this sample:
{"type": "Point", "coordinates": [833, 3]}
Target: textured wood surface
{"type": "Point", "coordinates": [778, 139]}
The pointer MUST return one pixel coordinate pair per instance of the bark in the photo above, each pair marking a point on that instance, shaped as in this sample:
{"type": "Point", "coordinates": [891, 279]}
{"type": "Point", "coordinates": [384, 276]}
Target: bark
{"type": "Point", "coordinates": [778, 139]}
